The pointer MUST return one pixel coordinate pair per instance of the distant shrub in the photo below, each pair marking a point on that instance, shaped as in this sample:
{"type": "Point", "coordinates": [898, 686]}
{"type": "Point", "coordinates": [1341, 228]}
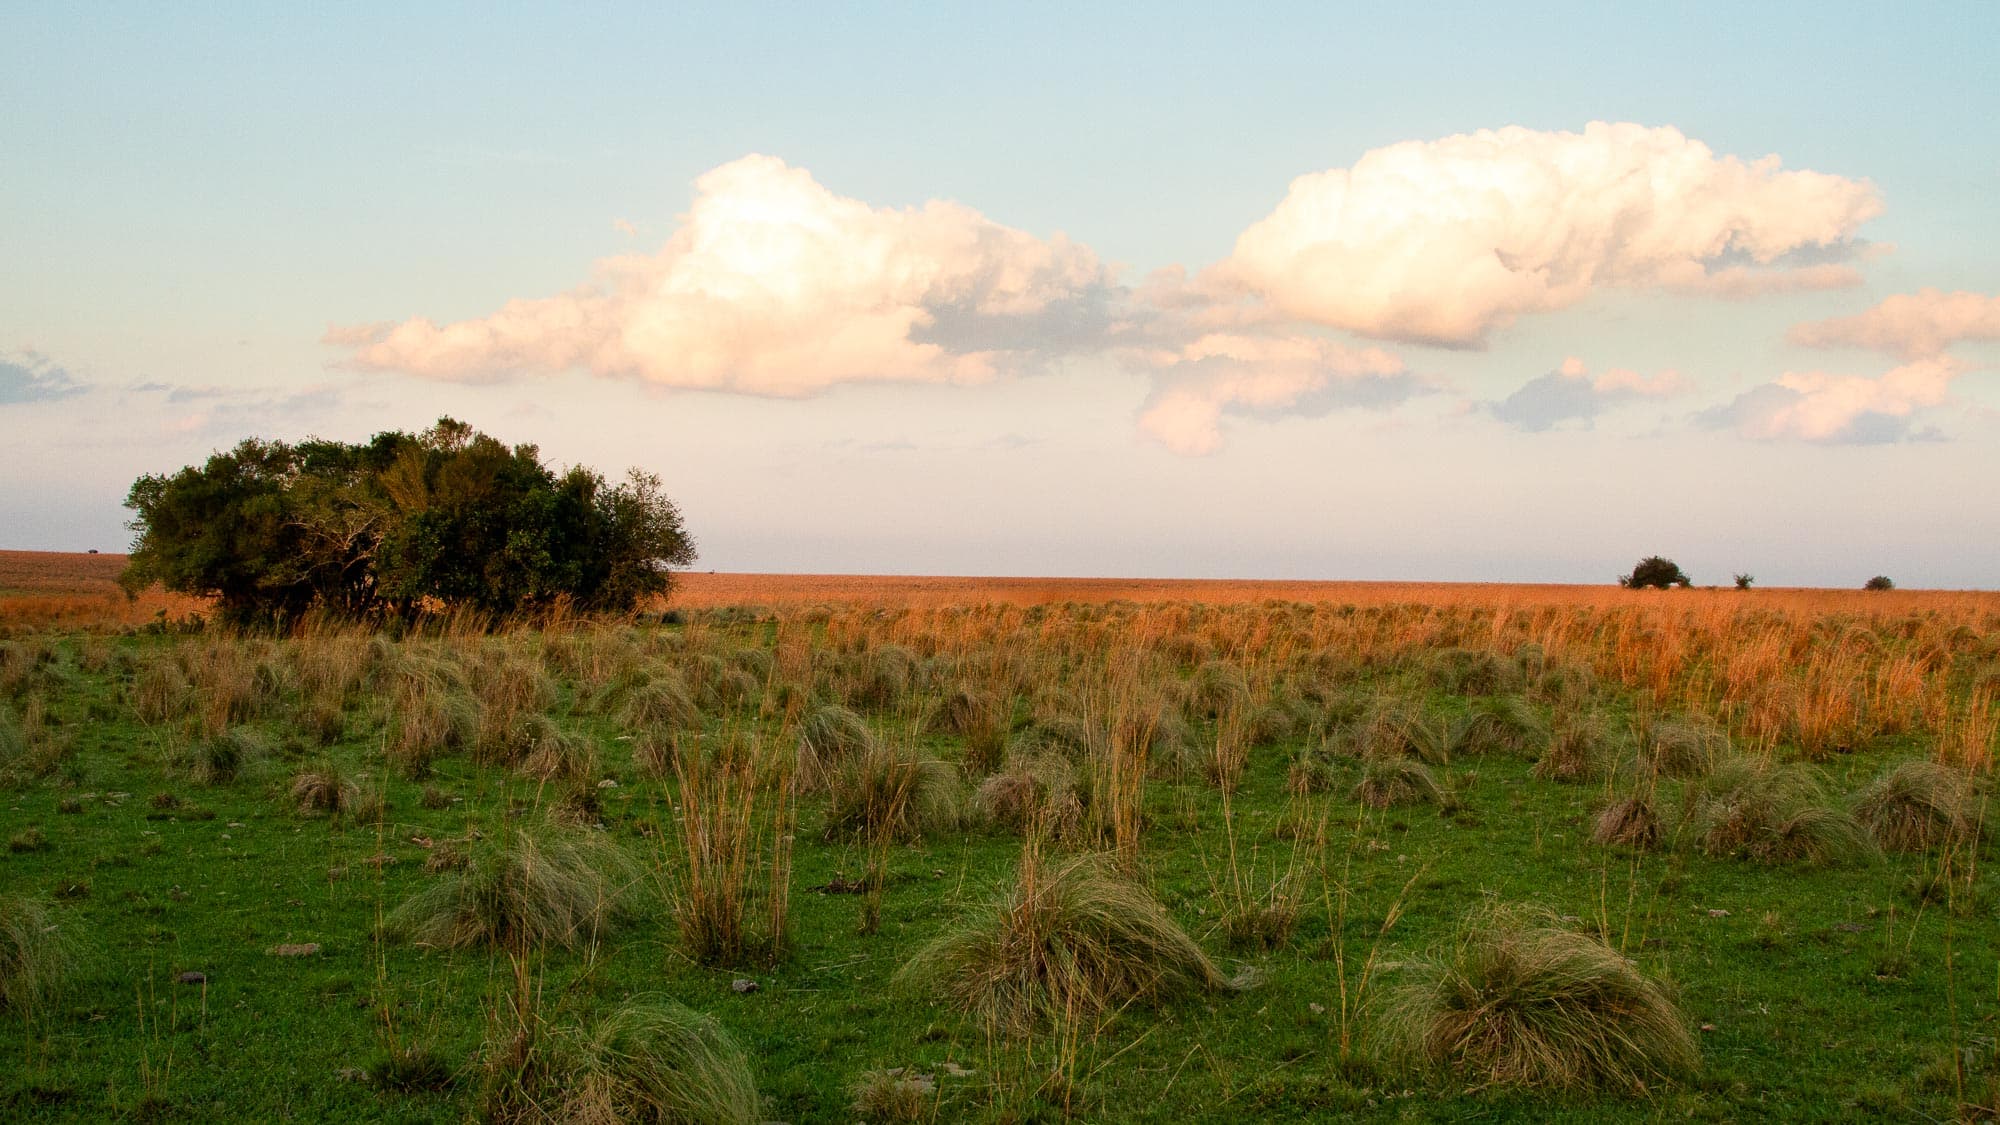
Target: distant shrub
{"type": "Point", "coordinates": [1655, 572]}
{"type": "Point", "coordinates": [1879, 582]}
{"type": "Point", "coordinates": [1743, 581]}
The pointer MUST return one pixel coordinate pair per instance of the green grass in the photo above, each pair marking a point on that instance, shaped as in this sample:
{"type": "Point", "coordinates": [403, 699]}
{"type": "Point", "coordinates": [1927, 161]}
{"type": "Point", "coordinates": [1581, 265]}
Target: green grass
{"type": "Point", "coordinates": [1817, 991]}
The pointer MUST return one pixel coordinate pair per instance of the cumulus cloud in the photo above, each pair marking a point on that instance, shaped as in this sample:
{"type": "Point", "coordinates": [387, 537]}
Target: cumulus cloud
{"type": "Point", "coordinates": [30, 376]}
{"type": "Point", "coordinates": [1852, 409]}
{"type": "Point", "coordinates": [1260, 376]}
{"type": "Point", "coordinates": [1910, 325]}
{"type": "Point", "coordinates": [773, 285]}
{"type": "Point", "coordinates": [1442, 242]}
{"type": "Point", "coordinates": [1570, 393]}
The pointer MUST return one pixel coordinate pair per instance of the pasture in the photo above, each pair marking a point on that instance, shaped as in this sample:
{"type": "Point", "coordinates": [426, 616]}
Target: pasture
{"type": "Point", "coordinates": [850, 849]}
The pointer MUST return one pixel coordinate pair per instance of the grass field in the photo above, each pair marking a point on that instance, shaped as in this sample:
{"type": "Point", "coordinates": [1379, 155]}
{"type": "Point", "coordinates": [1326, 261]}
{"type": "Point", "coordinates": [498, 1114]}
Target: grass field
{"type": "Point", "coordinates": [348, 875]}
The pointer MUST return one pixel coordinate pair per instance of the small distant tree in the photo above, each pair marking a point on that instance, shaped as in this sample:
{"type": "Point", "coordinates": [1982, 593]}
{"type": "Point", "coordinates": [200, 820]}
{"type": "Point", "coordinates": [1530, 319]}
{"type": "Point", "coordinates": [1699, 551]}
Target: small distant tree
{"type": "Point", "coordinates": [1743, 581]}
{"type": "Point", "coordinates": [1655, 572]}
{"type": "Point", "coordinates": [1879, 582]}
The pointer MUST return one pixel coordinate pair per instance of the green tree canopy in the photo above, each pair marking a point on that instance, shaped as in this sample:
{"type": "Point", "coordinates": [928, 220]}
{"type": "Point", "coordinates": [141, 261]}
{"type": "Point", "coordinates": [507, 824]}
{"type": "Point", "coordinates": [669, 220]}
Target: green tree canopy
{"type": "Point", "coordinates": [447, 517]}
{"type": "Point", "coordinates": [1656, 572]}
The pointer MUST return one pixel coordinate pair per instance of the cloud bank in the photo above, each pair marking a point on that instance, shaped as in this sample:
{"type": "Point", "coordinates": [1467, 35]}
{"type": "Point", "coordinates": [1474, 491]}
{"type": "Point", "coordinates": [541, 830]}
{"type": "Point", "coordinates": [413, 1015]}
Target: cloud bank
{"type": "Point", "coordinates": [30, 376]}
{"type": "Point", "coordinates": [1571, 394]}
{"type": "Point", "coordinates": [1910, 325]}
{"type": "Point", "coordinates": [1855, 409]}
{"type": "Point", "coordinates": [774, 285]}
{"type": "Point", "coordinates": [1918, 328]}
{"type": "Point", "coordinates": [1261, 376]}
{"type": "Point", "coordinates": [1443, 242]}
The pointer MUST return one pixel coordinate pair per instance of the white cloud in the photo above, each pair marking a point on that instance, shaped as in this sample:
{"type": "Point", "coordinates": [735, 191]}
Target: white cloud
{"type": "Point", "coordinates": [1442, 242]}
{"type": "Point", "coordinates": [1910, 325]}
{"type": "Point", "coordinates": [1262, 376]}
{"type": "Point", "coordinates": [774, 285]}
{"type": "Point", "coordinates": [1822, 407]}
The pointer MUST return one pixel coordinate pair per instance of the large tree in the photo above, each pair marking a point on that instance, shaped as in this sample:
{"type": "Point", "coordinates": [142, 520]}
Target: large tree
{"type": "Point", "coordinates": [448, 517]}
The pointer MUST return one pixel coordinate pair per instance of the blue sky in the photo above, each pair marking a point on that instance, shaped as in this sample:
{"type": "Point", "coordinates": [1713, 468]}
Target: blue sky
{"type": "Point", "coordinates": [196, 203]}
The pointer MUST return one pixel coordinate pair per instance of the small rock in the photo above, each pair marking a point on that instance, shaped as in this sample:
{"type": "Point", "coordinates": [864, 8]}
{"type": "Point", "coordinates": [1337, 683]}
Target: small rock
{"type": "Point", "coordinates": [295, 949]}
{"type": "Point", "coordinates": [1718, 914]}
{"type": "Point", "coordinates": [743, 984]}
{"type": "Point", "coordinates": [1317, 1008]}
{"type": "Point", "coordinates": [607, 783]}
{"type": "Point", "coordinates": [954, 1070]}
{"type": "Point", "coordinates": [1708, 1027]}
{"type": "Point", "coordinates": [350, 1074]}
{"type": "Point", "coordinates": [191, 977]}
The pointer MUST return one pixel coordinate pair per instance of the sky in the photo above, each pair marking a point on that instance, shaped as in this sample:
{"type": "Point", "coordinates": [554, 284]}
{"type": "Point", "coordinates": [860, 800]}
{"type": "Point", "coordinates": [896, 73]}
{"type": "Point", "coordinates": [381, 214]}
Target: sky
{"type": "Point", "coordinates": [1492, 292]}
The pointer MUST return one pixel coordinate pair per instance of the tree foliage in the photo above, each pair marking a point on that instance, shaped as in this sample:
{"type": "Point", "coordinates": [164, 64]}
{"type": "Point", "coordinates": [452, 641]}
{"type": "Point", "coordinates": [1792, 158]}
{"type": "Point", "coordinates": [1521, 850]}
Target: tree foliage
{"type": "Point", "coordinates": [448, 517]}
{"type": "Point", "coordinates": [1879, 582]}
{"type": "Point", "coordinates": [1655, 572]}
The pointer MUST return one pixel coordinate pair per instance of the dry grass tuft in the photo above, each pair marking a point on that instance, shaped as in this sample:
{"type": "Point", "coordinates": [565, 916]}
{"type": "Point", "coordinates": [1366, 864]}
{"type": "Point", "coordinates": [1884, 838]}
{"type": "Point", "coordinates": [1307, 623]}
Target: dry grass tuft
{"type": "Point", "coordinates": [1038, 794]}
{"type": "Point", "coordinates": [891, 792]}
{"type": "Point", "coordinates": [1631, 821]}
{"type": "Point", "coordinates": [529, 889]}
{"type": "Point", "coordinates": [894, 1095]}
{"type": "Point", "coordinates": [1514, 1000]}
{"type": "Point", "coordinates": [1396, 780]}
{"type": "Point", "coordinates": [1917, 805]}
{"type": "Point", "coordinates": [36, 953]}
{"type": "Point", "coordinates": [1773, 814]}
{"type": "Point", "coordinates": [647, 1060]}
{"type": "Point", "coordinates": [1064, 944]}
{"type": "Point", "coordinates": [324, 791]}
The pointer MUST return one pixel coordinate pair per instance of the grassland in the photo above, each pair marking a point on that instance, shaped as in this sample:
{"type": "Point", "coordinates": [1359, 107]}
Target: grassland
{"type": "Point", "coordinates": [812, 785]}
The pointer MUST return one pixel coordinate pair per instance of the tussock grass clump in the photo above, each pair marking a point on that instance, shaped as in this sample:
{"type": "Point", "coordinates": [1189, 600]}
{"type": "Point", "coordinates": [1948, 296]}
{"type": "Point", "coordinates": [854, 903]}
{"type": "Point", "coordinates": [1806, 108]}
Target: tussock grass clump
{"type": "Point", "coordinates": [1064, 944]}
{"type": "Point", "coordinates": [833, 734]}
{"type": "Point", "coordinates": [36, 953]}
{"type": "Point", "coordinates": [1772, 814]}
{"type": "Point", "coordinates": [1072, 737]}
{"type": "Point", "coordinates": [1216, 688]}
{"type": "Point", "coordinates": [1682, 747]}
{"type": "Point", "coordinates": [1631, 821]}
{"type": "Point", "coordinates": [216, 759]}
{"type": "Point", "coordinates": [1506, 724]}
{"type": "Point", "coordinates": [652, 1060]}
{"type": "Point", "coordinates": [324, 791]}
{"type": "Point", "coordinates": [893, 1095]}
{"type": "Point", "coordinates": [1580, 751]}
{"type": "Point", "coordinates": [647, 1060]}
{"type": "Point", "coordinates": [1514, 1000]}
{"type": "Point", "coordinates": [160, 692]}
{"type": "Point", "coordinates": [1395, 780]}
{"type": "Point", "coordinates": [431, 713]}
{"type": "Point", "coordinates": [892, 792]}
{"type": "Point", "coordinates": [1033, 795]}
{"type": "Point", "coordinates": [735, 816]}
{"type": "Point", "coordinates": [528, 889]}
{"type": "Point", "coordinates": [1462, 671]}
{"type": "Point", "coordinates": [1917, 805]}
{"type": "Point", "coordinates": [555, 754]}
